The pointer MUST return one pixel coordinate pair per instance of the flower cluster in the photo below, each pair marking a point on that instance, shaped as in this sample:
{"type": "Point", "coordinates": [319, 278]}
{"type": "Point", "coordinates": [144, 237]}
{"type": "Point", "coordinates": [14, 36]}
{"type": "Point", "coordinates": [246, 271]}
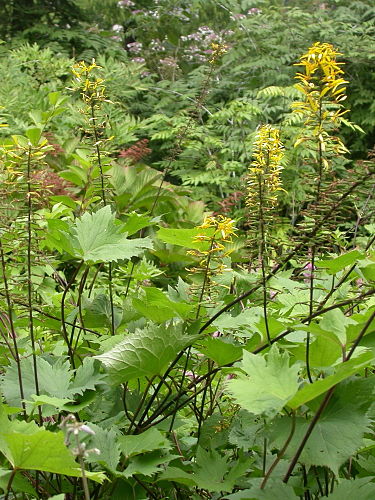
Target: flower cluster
{"type": "Point", "coordinates": [213, 238]}
{"type": "Point", "coordinates": [264, 172]}
{"type": "Point", "coordinates": [324, 89]}
{"type": "Point", "coordinates": [222, 229]}
{"type": "Point", "coordinates": [136, 152]}
{"type": "Point", "coordinates": [134, 47]}
{"type": "Point", "coordinates": [125, 3]}
{"type": "Point", "coordinates": [92, 88]}
{"type": "Point", "coordinates": [322, 79]}
{"type": "Point", "coordinates": [169, 61]}
{"type": "Point", "coordinates": [218, 50]}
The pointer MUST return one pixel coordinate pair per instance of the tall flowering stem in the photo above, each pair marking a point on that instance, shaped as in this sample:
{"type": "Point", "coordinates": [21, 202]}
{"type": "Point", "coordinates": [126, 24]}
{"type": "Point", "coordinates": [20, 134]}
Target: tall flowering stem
{"type": "Point", "coordinates": [324, 89]}
{"type": "Point", "coordinates": [216, 231]}
{"type": "Point", "coordinates": [92, 90]}
{"type": "Point", "coordinates": [93, 93]}
{"type": "Point", "coordinates": [263, 185]}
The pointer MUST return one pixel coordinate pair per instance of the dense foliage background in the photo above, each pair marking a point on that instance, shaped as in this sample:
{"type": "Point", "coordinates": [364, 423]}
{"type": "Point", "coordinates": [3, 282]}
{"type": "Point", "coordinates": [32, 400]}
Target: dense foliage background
{"type": "Point", "coordinates": [186, 242]}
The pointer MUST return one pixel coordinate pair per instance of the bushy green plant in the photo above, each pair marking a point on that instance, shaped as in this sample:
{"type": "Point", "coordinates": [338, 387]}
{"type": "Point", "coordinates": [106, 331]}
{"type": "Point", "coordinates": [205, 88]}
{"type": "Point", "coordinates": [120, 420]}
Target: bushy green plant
{"type": "Point", "coordinates": [149, 348]}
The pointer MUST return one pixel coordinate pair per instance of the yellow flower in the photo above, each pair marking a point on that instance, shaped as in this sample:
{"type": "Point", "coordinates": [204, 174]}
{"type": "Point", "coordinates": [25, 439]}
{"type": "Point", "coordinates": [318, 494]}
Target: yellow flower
{"type": "Point", "coordinates": [218, 50]}
{"type": "Point", "coordinates": [264, 172]}
{"type": "Point", "coordinates": [322, 77]}
{"type": "Point", "coordinates": [324, 90]}
{"type": "Point", "coordinates": [92, 88]}
{"type": "Point", "coordinates": [222, 225]}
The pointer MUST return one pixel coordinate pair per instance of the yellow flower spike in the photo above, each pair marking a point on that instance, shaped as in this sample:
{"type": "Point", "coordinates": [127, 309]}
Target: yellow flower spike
{"type": "Point", "coordinates": [218, 50]}
{"type": "Point", "coordinates": [266, 166]}
{"type": "Point", "coordinates": [324, 89]}
{"type": "Point", "coordinates": [322, 71]}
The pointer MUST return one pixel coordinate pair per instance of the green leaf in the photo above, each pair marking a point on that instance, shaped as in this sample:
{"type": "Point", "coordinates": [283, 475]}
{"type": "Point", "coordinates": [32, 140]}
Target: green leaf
{"type": "Point", "coordinates": [150, 440]}
{"type": "Point", "coordinates": [268, 385]}
{"type": "Point", "coordinates": [344, 370]}
{"type": "Point", "coordinates": [367, 269]}
{"type": "Point", "coordinates": [19, 483]}
{"type": "Point", "coordinates": [157, 307]}
{"type": "Point", "coordinates": [48, 400]}
{"type": "Point", "coordinates": [183, 237]}
{"type": "Point", "coordinates": [333, 266]}
{"type": "Point", "coordinates": [28, 447]}
{"type": "Point", "coordinates": [98, 312]}
{"type": "Point", "coordinates": [275, 490]}
{"type": "Point", "coordinates": [144, 353]}
{"type": "Point", "coordinates": [177, 475]}
{"type": "Point", "coordinates": [147, 464]}
{"type": "Point", "coordinates": [97, 238]}
{"type": "Point", "coordinates": [361, 489]}
{"type": "Point", "coordinates": [245, 320]}
{"type": "Point", "coordinates": [87, 377]}
{"type": "Point", "coordinates": [245, 430]}
{"type": "Point", "coordinates": [106, 442]}
{"type": "Point", "coordinates": [336, 322]}
{"type": "Point", "coordinates": [53, 380]}
{"type": "Point", "coordinates": [325, 350]}
{"type": "Point", "coordinates": [339, 432]}
{"type": "Point", "coordinates": [34, 134]}
{"type": "Point", "coordinates": [215, 472]}
{"type": "Point", "coordinates": [135, 222]}
{"type": "Point", "coordinates": [220, 350]}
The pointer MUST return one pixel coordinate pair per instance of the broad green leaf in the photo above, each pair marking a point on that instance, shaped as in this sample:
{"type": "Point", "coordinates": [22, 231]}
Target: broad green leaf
{"type": "Point", "coordinates": [246, 320]}
{"type": "Point", "coordinates": [182, 237]}
{"type": "Point", "coordinates": [335, 265]}
{"type": "Point", "coordinates": [215, 472]}
{"type": "Point", "coordinates": [135, 222]}
{"type": "Point", "coordinates": [87, 377]}
{"type": "Point", "coordinates": [219, 350]}
{"type": "Point", "coordinates": [98, 238]}
{"type": "Point", "coordinates": [150, 440]}
{"type": "Point", "coordinates": [338, 434]}
{"type": "Point", "coordinates": [19, 483]}
{"type": "Point", "coordinates": [147, 464]}
{"type": "Point", "coordinates": [361, 489]}
{"type": "Point", "coordinates": [325, 350]}
{"type": "Point", "coordinates": [105, 440]}
{"type": "Point", "coordinates": [26, 446]}
{"type": "Point", "coordinates": [98, 312]}
{"type": "Point", "coordinates": [53, 380]}
{"type": "Point", "coordinates": [65, 200]}
{"type": "Point", "coordinates": [268, 383]}
{"type": "Point", "coordinates": [177, 475]}
{"type": "Point", "coordinates": [344, 370]}
{"type": "Point", "coordinates": [48, 400]}
{"type": "Point", "coordinates": [336, 322]}
{"type": "Point", "coordinates": [367, 269]}
{"type": "Point", "coordinates": [245, 430]}
{"type": "Point", "coordinates": [144, 353]}
{"type": "Point", "coordinates": [56, 386]}
{"type": "Point", "coordinates": [34, 134]}
{"type": "Point", "coordinates": [157, 307]}
{"type": "Point", "coordinates": [275, 490]}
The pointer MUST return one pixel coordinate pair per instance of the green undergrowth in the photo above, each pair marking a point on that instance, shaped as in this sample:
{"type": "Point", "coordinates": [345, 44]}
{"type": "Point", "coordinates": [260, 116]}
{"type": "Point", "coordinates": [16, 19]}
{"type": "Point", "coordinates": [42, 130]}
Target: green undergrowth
{"type": "Point", "coordinates": [156, 343]}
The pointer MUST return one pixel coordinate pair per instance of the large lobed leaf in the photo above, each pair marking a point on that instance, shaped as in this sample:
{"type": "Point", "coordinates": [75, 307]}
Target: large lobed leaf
{"type": "Point", "coordinates": [28, 447]}
{"type": "Point", "coordinates": [338, 433]}
{"type": "Point", "coordinates": [268, 383]}
{"type": "Point", "coordinates": [96, 237]}
{"type": "Point", "coordinates": [144, 353]}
